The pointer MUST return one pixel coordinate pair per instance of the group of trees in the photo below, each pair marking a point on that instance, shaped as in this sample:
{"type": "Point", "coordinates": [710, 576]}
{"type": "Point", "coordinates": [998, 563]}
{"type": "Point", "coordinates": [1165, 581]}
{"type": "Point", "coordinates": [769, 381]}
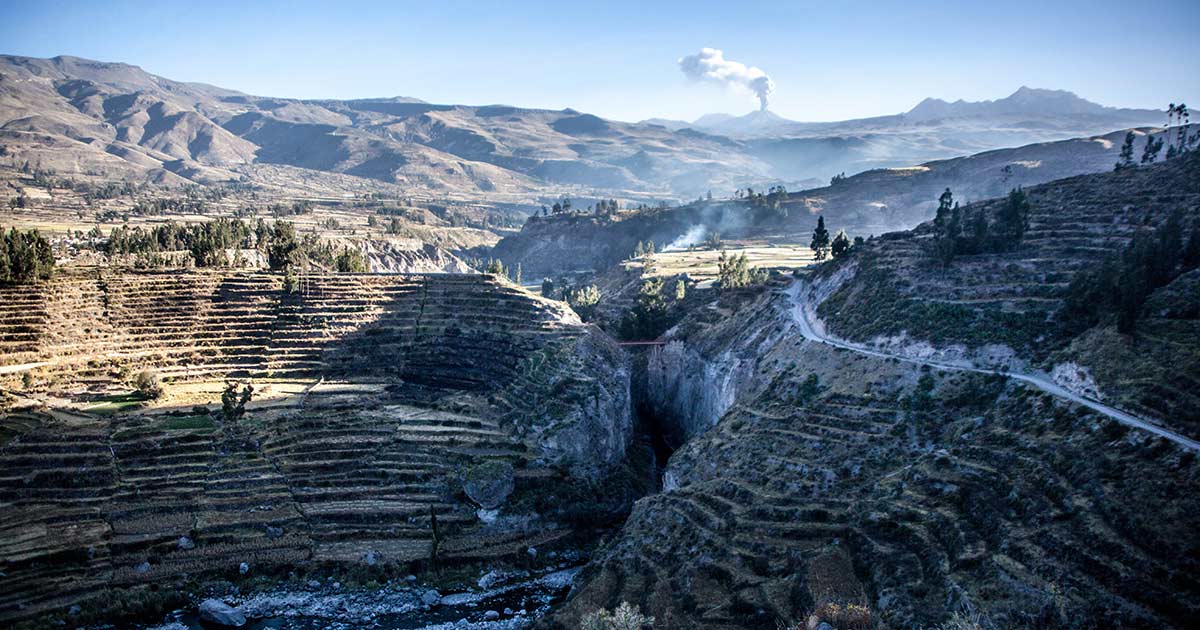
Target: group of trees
{"type": "Point", "coordinates": [734, 272]}
{"type": "Point", "coordinates": [965, 232]}
{"type": "Point", "coordinates": [209, 242]}
{"type": "Point", "coordinates": [823, 246]}
{"type": "Point", "coordinates": [643, 249]}
{"type": "Point", "coordinates": [1176, 138]}
{"type": "Point", "coordinates": [1118, 289]}
{"type": "Point", "coordinates": [765, 206]}
{"type": "Point", "coordinates": [648, 317]}
{"type": "Point", "coordinates": [605, 208]}
{"type": "Point", "coordinates": [24, 256]}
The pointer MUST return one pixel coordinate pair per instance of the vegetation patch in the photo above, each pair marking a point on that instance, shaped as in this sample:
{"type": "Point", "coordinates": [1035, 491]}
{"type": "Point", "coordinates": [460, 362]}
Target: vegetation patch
{"type": "Point", "coordinates": [116, 403]}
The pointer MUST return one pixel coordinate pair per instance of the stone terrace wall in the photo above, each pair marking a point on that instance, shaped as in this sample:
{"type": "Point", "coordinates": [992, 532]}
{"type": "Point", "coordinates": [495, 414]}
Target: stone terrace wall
{"type": "Point", "coordinates": [458, 331]}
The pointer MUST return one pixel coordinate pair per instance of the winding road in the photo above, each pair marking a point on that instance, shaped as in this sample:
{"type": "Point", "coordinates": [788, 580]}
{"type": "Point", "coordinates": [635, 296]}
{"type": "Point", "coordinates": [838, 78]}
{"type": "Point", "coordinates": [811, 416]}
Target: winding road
{"type": "Point", "coordinates": [1050, 387]}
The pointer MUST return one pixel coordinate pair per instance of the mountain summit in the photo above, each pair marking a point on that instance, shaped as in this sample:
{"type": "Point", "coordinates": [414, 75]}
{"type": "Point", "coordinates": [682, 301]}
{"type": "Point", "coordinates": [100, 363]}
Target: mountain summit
{"type": "Point", "coordinates": [1025, 101]}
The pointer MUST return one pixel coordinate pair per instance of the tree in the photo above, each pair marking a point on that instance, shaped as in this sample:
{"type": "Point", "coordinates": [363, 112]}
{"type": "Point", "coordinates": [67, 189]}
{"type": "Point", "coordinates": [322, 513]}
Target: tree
{"type": "Point", "coordinates": [26, 257]}
{"type": "Point", "coordinates": [647, 318]}
{"type": "Point", "coordinates": [517, 274]}
{"type": "Point", "coordinates": [351, 260]}
{"type": "Point", "coordinates": [233, 403]}
{"type": "Point", "coordinates": [820, 239]}
{"type": "Point", "coordinates": [1150, 151]}
{"type": "Point", "coordinates": [148, 384]}
{"type": "Point", "coordinates": [1125, 160]}
{"type": "Point", "coordinates": [734, 272]}
{"type": "Point", "coordinates": [947, 226]}
{"type": "Point", "coordinates": [283, 250]}
{"type": "Point", "coordinates": [547, 288]}
{"type": "Point", "coordinates": [680, 290]}
{"type": "Point", "coordinates": [1013, 218]}
{"type": "Point", "coordinates": [624, 617]}
{"type": "Point", "coordinates": [584, 301]}
{"type": "Point", "coordinates": [495, 268]}
{"type": "Point", "coordinates": [1117, 291]}
{"type": "Point", "coordinates": [841, 244]}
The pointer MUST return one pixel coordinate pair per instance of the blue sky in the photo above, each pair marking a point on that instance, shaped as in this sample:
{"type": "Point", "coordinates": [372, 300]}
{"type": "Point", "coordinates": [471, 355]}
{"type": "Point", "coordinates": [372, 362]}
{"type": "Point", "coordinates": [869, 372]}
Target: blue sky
{"type": "Point", "coordinates": [618, 59]}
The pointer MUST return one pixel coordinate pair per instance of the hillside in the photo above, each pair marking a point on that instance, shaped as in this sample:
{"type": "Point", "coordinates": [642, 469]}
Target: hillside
{"type": "Point", "coordinates": [872, 202]}
{"type": "Point", "coordinates": [869, 486]}
{"type": "Point", "coordinates": [344, 455]}
{"type": "Point", "coordinates": [1004, 307]}
{"type": "Point", "coordinates": [76, 116]}
{"type": "Point", "coordinates": [80, 117]}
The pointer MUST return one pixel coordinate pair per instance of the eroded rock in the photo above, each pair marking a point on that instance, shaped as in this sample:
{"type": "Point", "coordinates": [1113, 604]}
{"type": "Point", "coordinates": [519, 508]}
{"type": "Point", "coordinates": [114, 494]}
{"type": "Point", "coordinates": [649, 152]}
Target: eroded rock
{"type": "Point", "coordinates": [489, 483]}
{"type": "Point", "coordinates": [218, 612]}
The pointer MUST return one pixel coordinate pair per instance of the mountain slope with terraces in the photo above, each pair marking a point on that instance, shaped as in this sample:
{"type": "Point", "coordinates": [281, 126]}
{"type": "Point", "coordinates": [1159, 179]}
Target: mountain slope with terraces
{"type": "Point", "coordinates": [814, 477]}
{"type": "Point", "coordinates": [375, 396]}
{"type": "Point", "coordinates": [870, 202]}
{"type": "Point", "coordinates": [1003, 308]}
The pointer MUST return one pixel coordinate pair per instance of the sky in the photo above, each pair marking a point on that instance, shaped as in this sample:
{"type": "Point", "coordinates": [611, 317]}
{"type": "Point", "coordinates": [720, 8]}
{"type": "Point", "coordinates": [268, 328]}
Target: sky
{"type": "Point", "coordinates": [828, 60]}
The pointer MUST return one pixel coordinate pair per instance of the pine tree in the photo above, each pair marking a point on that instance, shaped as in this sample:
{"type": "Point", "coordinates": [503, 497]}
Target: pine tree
{"type": "Point", "coordinates": [841, 244]}
{"type": "Point", "coordinates": [547, 288]}
{"type": "Point", "coordinates": [680, 289]}
{"type": "Point", "coordinates": [820, 240]}
{"type": "Point", "coordinates": [1150, 151]}
{"type": "Point", "coordinates": [5, 273]}
{"type": "Point", "coordinates": [946, 227]}
{"type": "Point", "coordinates": [1125, 160]}
{"type": "Point", "coordinates": [1013, 218]}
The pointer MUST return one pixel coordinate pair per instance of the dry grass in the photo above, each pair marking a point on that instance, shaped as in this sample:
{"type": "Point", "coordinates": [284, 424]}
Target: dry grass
{"type": "Point", "coordinates": [701, 264]}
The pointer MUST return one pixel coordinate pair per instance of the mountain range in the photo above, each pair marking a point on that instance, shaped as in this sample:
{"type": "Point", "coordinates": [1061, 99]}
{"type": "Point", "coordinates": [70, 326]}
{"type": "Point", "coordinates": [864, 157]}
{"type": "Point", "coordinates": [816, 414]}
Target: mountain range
{"type": "Point", "coordinates": [115, 121]}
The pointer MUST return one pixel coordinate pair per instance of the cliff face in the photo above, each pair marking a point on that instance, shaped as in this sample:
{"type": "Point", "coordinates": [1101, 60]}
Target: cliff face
{"type": "Point", "coordinates": [703, 369]}
{"type": "Point", "coordinates": [689, 391]}
{"type": "Point", "coordinates": [574, 406]}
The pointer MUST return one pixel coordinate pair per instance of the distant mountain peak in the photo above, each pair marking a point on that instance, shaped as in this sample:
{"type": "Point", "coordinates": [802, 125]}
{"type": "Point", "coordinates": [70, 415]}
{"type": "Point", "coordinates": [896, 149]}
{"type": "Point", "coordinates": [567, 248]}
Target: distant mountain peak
{"type": "Point", "coordinates": [1024, 101]}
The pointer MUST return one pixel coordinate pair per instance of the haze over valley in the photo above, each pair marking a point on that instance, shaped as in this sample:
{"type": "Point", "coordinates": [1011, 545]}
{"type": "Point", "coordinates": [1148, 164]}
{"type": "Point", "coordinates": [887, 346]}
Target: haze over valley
{"type": "Point", "coordinates": [910, 344]}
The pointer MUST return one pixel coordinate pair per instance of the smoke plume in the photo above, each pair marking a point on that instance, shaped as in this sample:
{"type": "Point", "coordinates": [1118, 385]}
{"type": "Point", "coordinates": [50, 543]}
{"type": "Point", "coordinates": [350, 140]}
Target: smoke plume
{"type": "Point", "coordinates": [692, 237]}
{"type": "Point", "coordinates": [711, 65]}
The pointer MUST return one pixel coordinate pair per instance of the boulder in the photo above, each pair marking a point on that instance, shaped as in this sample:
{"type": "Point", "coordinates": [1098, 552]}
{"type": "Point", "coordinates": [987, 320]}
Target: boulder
{"type": "Point", "coordinates": [491, 615]}
{"type": "Point", "coordinates": [489, 483]}
{"type": "Point", "coordinates": [184, 543]}
{"type": "Point", "coordinates": [218, 612]}
{"type": "Point", "coordinates": [431, 598]}
{"type": "Point", "coordinates": [243, 568]}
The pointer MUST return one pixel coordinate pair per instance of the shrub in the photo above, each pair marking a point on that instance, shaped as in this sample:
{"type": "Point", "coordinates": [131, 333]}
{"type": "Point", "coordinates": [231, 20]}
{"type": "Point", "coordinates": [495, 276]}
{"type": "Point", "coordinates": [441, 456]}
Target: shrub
{"type": "Point", "coordinates": [148, 384]}
{"type": "Point", "coordinates": [584, 301]}
{"type": "Point", "coordinates": [233, 403]}
{"type": "Point", "coordinates": [846, 616]}
{"type": "Point", "coordinates": [625, 617]}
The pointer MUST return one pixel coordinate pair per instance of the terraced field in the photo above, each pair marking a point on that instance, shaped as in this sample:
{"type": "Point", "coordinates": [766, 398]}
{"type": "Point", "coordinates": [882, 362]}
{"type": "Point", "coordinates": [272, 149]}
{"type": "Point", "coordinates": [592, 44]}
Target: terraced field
{"type": "Point", "coordinates": [914, 497]}
{"type": "Point", "coordinates": [378, 394]}
{"type": "Point", "coordinates": [1003, 306]}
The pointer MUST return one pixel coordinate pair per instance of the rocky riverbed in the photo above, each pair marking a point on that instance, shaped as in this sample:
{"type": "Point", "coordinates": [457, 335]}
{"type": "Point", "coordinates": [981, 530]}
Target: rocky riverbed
{"type": "Point", "coordinates": [500, 600]}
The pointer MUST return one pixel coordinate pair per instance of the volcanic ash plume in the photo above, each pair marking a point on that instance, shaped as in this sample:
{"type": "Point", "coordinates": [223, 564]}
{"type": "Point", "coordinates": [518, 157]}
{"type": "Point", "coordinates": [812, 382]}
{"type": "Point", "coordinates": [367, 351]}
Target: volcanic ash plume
{"type": "Point", "coordinates": [711, 65]}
